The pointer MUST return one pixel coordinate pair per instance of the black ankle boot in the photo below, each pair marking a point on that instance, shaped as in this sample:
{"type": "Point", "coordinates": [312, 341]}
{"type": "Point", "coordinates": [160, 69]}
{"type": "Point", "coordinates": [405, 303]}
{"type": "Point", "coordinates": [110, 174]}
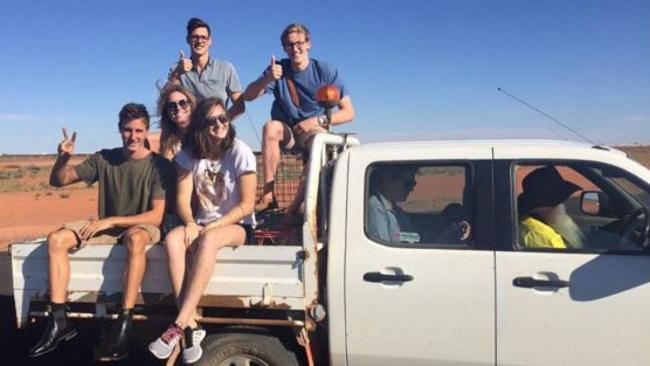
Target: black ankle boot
{"type": "Point", "coordinates": [115, 346]}
{"type": "Point", "coordinates": [59, 329]}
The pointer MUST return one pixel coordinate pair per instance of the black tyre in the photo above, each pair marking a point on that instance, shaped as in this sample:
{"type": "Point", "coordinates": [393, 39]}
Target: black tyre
{"type": "Point", "coordinates": [243, 349]}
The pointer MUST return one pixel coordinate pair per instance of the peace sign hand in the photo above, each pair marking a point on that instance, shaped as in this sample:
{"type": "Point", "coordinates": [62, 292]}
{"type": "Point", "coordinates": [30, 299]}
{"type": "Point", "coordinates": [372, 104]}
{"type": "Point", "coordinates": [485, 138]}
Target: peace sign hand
{"type": "Point", "coordinates": [66, 147]}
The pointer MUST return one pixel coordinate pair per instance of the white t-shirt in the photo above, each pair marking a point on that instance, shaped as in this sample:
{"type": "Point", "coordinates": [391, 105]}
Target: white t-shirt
{"type": "Point", "coordinates": [215, 181]}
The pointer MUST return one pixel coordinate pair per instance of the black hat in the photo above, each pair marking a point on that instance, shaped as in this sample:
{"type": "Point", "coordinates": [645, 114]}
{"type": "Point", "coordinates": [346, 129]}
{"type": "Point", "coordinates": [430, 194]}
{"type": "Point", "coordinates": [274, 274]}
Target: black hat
{"type": "Point", "coordinates": [544, 187]}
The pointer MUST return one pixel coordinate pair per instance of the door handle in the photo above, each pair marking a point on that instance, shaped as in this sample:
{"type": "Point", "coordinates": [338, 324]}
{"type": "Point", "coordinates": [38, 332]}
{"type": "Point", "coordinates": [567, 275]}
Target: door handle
{"type": "Point", "coordinates": [380, 277]}
{"type": "Point", "coordinates": [529, 282]}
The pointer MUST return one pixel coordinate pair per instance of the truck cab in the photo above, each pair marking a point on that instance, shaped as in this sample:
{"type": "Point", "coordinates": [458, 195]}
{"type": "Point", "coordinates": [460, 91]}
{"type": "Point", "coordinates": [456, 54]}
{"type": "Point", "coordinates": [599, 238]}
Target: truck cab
{"type": "Point", "coordinates": [430, 298]}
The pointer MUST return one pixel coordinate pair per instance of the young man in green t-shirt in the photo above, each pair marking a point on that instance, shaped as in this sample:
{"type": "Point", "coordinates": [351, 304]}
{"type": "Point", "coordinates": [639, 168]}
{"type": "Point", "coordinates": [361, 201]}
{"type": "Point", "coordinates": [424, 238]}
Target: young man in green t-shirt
{"type": "Point", "coordinates": [132, 185]}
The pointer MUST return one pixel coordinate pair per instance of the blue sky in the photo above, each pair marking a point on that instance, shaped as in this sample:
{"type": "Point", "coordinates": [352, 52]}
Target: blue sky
{"type": "Point", "coordinates": [415, 69]}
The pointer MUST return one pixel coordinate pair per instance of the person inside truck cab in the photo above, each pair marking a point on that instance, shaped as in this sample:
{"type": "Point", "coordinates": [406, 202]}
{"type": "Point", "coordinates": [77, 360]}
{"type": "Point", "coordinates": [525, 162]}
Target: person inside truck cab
{"type": "Point", "coordinates": [216, 184]}
{"type": "Point", "coordinates": [296, 115]}
{"type": "Point", "coordinates": [131, 219]}
{"type": "Point", "coordinates": [387, 222]}
{"type": "Point", "coordinates": [543, 221]}
{"type": "Point", "coordinates": [390, 185]}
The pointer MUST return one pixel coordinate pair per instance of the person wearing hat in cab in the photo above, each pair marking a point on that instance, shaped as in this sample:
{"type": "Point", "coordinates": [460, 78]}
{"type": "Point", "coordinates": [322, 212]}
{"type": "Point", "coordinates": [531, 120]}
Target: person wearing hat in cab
{"type": "Point", "coordinates": [544, 222]}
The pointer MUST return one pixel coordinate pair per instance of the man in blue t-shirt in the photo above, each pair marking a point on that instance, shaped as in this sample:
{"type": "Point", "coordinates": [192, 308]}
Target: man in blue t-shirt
{"type": "Point", "coordinates": [295, 115]}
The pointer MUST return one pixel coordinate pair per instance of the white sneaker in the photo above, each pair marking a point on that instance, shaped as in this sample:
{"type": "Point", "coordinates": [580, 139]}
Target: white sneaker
{"type": "Point", "coordinates": [192, 351]}
{"type": "Point", "coordinates": [163, 346]}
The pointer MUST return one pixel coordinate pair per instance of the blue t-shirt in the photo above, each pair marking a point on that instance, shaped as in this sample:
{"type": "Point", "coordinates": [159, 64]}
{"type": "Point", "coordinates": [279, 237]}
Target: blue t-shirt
{"type": "Point", "coordinates": [307, 82]}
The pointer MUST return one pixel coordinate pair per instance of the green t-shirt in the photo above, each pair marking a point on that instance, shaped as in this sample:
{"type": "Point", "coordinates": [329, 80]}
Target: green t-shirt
{"type": "Point", "coordinates": [126, 187]}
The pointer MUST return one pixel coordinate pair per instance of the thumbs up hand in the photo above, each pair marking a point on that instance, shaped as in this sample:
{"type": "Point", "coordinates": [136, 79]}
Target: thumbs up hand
{"type": "Point", "coordinates": [184, 64]}
{"type": "Point", "coordinates": [275, 70]}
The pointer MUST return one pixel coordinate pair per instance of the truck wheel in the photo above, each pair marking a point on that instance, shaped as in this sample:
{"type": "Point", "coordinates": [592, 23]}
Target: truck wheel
{"type": "Point", "coordinates": [242, 349]}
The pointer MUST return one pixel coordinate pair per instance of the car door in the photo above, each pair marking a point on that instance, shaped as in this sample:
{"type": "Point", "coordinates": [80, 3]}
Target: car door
{"type": "Point", "coordinates": [585, 305]}
{"type": "Point", "coordinates": [422, 296]}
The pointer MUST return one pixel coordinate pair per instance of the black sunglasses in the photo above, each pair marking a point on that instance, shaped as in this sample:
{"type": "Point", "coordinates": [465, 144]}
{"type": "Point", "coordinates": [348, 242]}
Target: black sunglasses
{"type": "Point", "coordinates": [174, 106]}
{"type": "Point", "coordinates": [211, 121]}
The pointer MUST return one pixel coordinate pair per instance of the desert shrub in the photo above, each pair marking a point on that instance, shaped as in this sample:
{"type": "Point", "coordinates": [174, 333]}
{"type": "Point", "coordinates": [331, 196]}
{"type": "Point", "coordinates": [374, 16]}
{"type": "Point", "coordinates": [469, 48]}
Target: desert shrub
{"type": "Point", "coordinates": [11, 174]}
{"type": "Point", "coordinates": [34, 169]}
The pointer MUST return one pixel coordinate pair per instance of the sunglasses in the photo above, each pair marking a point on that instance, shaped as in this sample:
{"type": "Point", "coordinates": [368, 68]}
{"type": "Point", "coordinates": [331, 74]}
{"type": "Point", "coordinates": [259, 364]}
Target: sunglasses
{"type": "Point", "coordinates": [175, 106]}
{"type": "Point", "coordinates": [212, 121]}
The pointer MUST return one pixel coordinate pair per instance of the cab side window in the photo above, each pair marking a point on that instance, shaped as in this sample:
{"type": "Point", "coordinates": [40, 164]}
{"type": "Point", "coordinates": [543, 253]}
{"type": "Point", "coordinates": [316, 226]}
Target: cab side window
{"type": "Point", "coordinates": [419, 204]}
{"type": "Point", "coordinates": [579, 206]}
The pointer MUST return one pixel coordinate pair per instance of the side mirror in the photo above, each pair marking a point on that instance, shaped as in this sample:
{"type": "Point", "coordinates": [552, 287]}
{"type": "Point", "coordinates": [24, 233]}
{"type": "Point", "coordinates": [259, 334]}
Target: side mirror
{"type": "Point", "coordinates": [593, 202]}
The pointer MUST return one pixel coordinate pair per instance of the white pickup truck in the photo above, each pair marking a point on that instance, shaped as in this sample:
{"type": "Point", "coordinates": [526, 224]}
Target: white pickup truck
{"type": "Point", "coordinates": [343, 296]}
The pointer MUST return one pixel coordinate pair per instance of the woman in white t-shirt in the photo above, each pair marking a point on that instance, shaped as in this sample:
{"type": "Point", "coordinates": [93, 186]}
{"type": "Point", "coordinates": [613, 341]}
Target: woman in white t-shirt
{"type": "Point", "coordinates": [216, 184]}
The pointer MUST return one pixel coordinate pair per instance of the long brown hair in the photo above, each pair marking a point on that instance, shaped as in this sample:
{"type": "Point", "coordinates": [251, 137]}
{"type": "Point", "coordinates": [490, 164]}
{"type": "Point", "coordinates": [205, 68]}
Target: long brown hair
{"type": "Point", "coordinates": [197, 139]}
{"type": "Point", "coordinates": [170, 134]}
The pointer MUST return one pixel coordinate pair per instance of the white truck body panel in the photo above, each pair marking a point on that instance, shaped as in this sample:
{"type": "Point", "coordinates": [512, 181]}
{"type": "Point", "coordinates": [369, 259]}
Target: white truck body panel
{"type": "Point", "coordinates": [445, 315]}
{"type": "Point", "coordinates": [244, 274]}
{"type": "Point", "coordinates": [601, 319]}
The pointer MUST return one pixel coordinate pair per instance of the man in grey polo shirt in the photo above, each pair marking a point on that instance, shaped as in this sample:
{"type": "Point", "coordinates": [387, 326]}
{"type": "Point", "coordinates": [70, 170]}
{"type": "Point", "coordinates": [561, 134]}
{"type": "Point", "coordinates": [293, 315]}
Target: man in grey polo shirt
{"type": "Point", "coordinates": [203, 75]}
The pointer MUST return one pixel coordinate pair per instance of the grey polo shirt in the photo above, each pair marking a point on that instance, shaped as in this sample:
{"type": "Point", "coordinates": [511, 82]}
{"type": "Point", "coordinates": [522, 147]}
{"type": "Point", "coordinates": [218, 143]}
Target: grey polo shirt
{"type": "Point", "coordinates": [218, 79]}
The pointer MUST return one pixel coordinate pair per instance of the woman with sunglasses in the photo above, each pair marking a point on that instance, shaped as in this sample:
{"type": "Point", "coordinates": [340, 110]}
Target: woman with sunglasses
{"type": "Point", "coordinates": [175, 107]}
{"type": "Point", "coordinates": [216, 176]}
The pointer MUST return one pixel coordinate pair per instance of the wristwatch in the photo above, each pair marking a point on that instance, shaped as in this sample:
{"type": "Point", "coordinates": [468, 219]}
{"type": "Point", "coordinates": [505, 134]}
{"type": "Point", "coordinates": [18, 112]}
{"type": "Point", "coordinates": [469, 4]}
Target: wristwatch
{"type": "Point", "coordinates": [322, 120]}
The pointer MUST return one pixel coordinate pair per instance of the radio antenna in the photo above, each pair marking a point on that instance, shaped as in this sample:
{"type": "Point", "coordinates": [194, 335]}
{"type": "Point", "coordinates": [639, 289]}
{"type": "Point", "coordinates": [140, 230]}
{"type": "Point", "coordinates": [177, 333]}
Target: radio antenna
{"type": "Point", "coordinates": [546, 115]}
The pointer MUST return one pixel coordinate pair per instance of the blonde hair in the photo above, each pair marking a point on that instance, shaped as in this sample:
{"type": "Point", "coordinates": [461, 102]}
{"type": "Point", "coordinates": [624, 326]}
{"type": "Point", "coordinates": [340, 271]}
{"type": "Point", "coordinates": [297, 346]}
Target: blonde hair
{"type": "Point", "coordinates": [295, 28]}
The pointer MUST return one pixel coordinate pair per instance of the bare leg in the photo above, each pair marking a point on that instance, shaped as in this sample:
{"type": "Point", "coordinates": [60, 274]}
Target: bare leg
{"type": "Point", "coordinates": [294, 207]}
{"type": "Point", "coordinates": [208, 246]}
{"type": "Point", "coordinates": [176, 250]}
{"type": "Point", "coordinates": [136, 241]}
{"type": "Point", "coordinates": [176, 254]}
{"type": "Point", "coordinates": [59, 328]}
{"type": "Point", "coordinates": [59, 244]}
{"type": "Point", "coordinates": [273, 134]}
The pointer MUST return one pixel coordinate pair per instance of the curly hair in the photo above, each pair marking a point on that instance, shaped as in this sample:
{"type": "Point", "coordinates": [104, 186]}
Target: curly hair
{"type": "Point", "coordinates": [170, 134]}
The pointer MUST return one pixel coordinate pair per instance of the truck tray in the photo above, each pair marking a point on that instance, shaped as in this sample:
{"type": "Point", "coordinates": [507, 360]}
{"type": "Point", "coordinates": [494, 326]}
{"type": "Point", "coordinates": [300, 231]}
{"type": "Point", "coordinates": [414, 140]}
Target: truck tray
{"type": "Point", "coordinates": [244, 277]}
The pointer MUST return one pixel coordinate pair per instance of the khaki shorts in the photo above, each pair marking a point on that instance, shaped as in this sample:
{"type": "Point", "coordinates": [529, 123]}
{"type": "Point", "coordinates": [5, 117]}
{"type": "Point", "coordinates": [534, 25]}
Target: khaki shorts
{"type": "Point", "coordinates": [302, 140]}
{"type": "Point", "coordinates": [110, 236]}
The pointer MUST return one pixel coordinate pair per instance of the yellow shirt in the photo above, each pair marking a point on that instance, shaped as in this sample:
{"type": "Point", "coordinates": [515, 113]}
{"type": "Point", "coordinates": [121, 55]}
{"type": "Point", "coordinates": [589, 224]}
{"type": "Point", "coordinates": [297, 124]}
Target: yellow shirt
{"type": "Point", "coordinates": [536, 234]}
